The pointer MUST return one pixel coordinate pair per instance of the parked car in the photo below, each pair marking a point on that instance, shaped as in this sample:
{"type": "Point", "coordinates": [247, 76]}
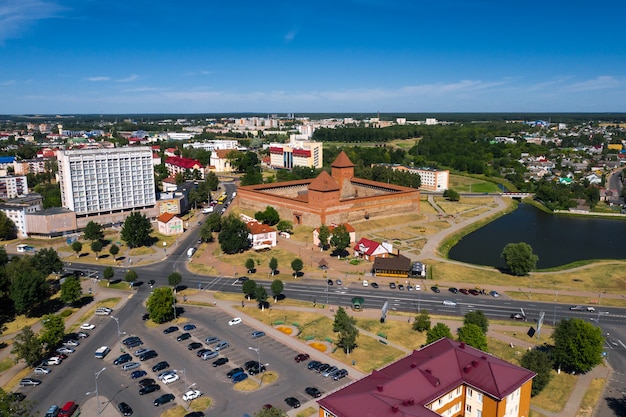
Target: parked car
{"type": "Point", "coordinates": [169, 378]}
{"type": "Point", "coordinates": [329, 282]}
{"type": "Point", "coordinates": [54, 360]}
{"type": "Point", "coordinates": [125, 409]}
{"type": "Point", "coordinates": [29, 381]}
{"type": "Point", "coordinates": [235, 321]}
{"type": "Point", "coordinates": [233, 371]}
{"type": "Point", "coordinates": [322, 368]}
{"type": "Point", "coordinates": [192, 394]}
{"type": "Point", "coordinates": [453, 290]}
{"type": "Point", "coordinates": [409, 287]}
{"type": "Point", "coordinates": [183, 336]}
{"type": "Point", "coordinates": [149, 388]}
{"type": "Point", "coordinates": [188, 327]}
{"type": "Point", "coordinates": [141, 351]}
{"type": "Point", "coordinates": [292, 402]}
{"type": "Point", "coordinates": [342, 373]}
{"type": "Point", "coordinates": [87, 326]}
{"type": "Point", "coordinates": [130, 340]}
{"type": "Point", "coordinates": [313, 392]}
{"type": "Point", "coordinates": [170, 329]}
{"type": "Point", "coordinates": [138, 374]}
{"type": "Point", "coordinates": [146, 381]}
{"type": "Point", "coordinates": [313, 365]}
{"type": "Point", "coordinates": [148, 355]}
{"type": "Point", "coordinates": [301, 357]}
{"type": "Point", "coordinates": [82, 335]}
{"type": "Point", "coordinates": [42, 370]}
{"type": "Point", "coordinates": [210, 340]}
{"type": "Point", "coordinates": [220, 362]}
{"type": "Point", "coordinates": [256, 369]}
{"type": "Point", "coordinates": [221, 345]}
{"type": "Point", "coordinates": [208, 354]}
{"type": "Point", "coordinates": [494, 293]}
{"type": "Point", "coordinates": [239, 377]}
{"type": "Point", "coordinates": [464, 291]}
{"type": "Point", "coordinates": [130, 366]}
{"type": "Point", "coordinates": [71, 343]}
{"type": "Point", "coordinates": [160, 366]}
{"type": "Point", "coordinates": [473, 292]}
{"type": "Point", "coordinates": [194, 345]}
{"type": "Point", "coordinates": [435, 289]}
{"type": "Point", "coordinates": [328, 372]}
{"type": "Point", "coordinates": [133, 344]}
{"type": "Point", "coordinates": [53, 411]}
{"type": "Point", "coordinates": [66, 350]}
{"type": "Point", "coordinates": [374, 285]}
{"type": "Point", "coordinates": [122, 359]}
{"type": "Point", "coordinates": [365, 283]}
{"type": "Point", "coordinates": [257, 333]}
{"type": "Point", "coordinates": [392, 285]}
{"type": "Point", "coordinates": [103, 311]}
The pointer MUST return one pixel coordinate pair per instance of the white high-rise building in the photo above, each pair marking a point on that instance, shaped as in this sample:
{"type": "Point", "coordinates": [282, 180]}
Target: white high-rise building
{"type": "Point", "coordinates": [99, 181]}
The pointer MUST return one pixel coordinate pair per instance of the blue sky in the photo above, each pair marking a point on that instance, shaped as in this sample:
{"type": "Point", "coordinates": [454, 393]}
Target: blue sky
{"type": "Point", "coordinates": [188, 56]}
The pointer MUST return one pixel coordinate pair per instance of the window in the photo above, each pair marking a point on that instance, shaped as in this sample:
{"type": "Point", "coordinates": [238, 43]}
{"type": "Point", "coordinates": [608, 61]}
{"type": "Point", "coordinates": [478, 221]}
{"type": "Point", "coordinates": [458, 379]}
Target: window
{"type": "Point", "coordinates": [479, 413]}
{"type": "Point", "coordinates": [468, 408]}
{"type": "Point", "coordinates": [480, 397]}
{"type": "Point", "coordinates": [470, 392]}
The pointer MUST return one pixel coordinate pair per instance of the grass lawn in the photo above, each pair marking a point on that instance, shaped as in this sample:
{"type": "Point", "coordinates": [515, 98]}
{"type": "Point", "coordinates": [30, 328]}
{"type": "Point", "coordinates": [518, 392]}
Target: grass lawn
{"type": "Point", "coordinates": [556, 393]}
{"type": "Point", "coordinates": [5, 364]}
{"type": "Point", "coordinates": [307, 412]}
{"type": "Point", "coordinates": [19, 323]}
{"type": "Point", "coordinates": [591, 397]}
{"type": "Point", "coordinates": [465, 184]}
{"type": "Point", "coordinates": [397, 332]}
{"type": "Point", "coordinates": [199, 404]}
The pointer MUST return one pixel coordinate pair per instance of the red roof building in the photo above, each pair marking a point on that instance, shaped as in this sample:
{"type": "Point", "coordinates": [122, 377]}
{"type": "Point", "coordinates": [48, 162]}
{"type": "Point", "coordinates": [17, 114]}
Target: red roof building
{"type": "Point", "coordinates": [370, 249]}
{"type": "Point", "coordinates": [445, 378]}
{"type": "Point", "coordinates": [176, 164]}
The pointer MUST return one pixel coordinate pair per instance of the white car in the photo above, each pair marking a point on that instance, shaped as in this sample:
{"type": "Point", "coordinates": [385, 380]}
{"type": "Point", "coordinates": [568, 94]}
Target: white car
{"type": "Point", "coordinates": [164, 374]}
{"type": "Point", "coordinates": [449, 303]}
{"type": "Point", "coordinates": [71, 343]}
{"type": "Point", "coordinates": [365, 283]}
{"type": "Point", "coordinates": [192, 394]}
{"type": "Point", "coordinates": [87, 326]}
{"type": "Point", "coordinates": [54, 360]}
{"type": "Point", "coordinates": [42, 370]}
{"type": "Point", "coordinates": [66, 350]}
{"type": "Point", "coordinates": [168, 379]}
{"type": "Point", "coordinates": [234, 321]}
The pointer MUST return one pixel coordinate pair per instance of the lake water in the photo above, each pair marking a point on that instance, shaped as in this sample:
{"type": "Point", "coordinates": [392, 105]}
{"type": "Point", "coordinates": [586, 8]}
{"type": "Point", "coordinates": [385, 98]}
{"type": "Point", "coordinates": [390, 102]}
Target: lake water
{"type": "Point", "coordinates": [556, 240]}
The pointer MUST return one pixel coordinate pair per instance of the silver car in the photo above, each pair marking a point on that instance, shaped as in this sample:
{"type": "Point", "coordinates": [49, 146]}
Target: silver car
{"type": "Point", "coordinates": [131, 365]}
{"type": "Point", "coordinates": [42, 370]}
{"type": "Point", "coordinates": [209, 355]}
{"type": "Point", "coordinates": [221, 345]}
{"type": "Point", "coordinates": [329, 371]}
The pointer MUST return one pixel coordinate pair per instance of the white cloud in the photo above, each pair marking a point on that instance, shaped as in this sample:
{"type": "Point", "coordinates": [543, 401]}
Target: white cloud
{"type": "Point", "coordinates": [602, 82]}
{"type": "Point", "coordinates": [291, 35]}
{"type": "Point", "coordinates": [128, 79]}
{"type": "Point", "coordinates": [17, 16]}
{"type": "Point", "coordinates": [96, 79]}
{"type": "Point", "coordinates": [8, 82]}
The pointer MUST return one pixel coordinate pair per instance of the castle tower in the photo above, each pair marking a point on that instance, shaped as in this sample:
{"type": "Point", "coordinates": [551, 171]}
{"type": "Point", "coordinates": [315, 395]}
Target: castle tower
{"type": "Point", "coordinates": [342, 169]}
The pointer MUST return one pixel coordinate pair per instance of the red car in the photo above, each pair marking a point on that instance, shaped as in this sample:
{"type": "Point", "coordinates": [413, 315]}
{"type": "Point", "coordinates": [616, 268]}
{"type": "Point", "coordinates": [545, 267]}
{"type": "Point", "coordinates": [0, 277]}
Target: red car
{"type": "Point", "coordinates": [464, 291]}
{"type": "Point", "coordinates": [474, 292]}
{"type": "Point", "coordinates": [301, 357]}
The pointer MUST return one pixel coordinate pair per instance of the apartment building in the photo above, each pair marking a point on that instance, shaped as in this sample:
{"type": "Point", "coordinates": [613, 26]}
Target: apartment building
{"type": "Point", "coordinates": [17, 210]}
{"type": "Point", "coordinates": [445, 378]}
{"type": "Point", "coordinates": [296, 153]}
{"type": "Point", "coordinates": [176, 164]}
{"type": "Point", "coordinates": [432, 179]}
{"type": "Point", "coordinates": [13, 187]}
{"type": "Point", "coordinates": [101, 181]}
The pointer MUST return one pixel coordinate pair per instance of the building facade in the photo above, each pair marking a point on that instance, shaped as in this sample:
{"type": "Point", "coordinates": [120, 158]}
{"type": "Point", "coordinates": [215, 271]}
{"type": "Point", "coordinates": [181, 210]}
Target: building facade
{"type": "Point", "coordinates": [176, 164]}
{"type": "Point", "coordinates": [106, 180]}
{"type": "Point", "coordinates": [17, 210]}
{"type": "Point", "coordinates": [445, 378]}
{"type": "Point", "coordinates": [13, 186]}
{"type": "Point", "coordinates": [297, 153]}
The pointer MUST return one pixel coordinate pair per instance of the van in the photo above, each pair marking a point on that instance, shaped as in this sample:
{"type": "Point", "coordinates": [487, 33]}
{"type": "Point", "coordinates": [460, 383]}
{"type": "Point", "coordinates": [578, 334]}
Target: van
{"type": "Point", "coordinates": [190, 252]}
{"type": "Point", "coordinates": [102, 352]}
{"type": "Point", "coordinates": [68, 409]}
{"type": "Point", "coordinates": [207, 210]}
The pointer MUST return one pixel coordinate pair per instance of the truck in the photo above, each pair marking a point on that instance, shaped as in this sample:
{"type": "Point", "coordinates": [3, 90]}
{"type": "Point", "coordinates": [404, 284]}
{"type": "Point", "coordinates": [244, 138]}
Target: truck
{"type": "Point", "coordinates": [190, 252]}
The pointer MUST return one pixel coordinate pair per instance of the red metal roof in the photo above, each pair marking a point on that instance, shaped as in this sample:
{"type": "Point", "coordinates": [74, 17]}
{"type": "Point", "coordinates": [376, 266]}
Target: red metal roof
{"type": "Point", "coordinates": [186, 163]}
{"type": "Point", "coordinates": [366, 246]}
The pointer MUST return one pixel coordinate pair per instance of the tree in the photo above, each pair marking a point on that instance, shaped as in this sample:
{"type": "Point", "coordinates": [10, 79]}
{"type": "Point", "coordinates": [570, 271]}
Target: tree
{"type": "Point", "coordinates": [260, 294]}
{"type": "Point", "coordinates": [28, 290]}
{"type": "Point", "coordinates": [340, 239]}
{"type": "Point", "coordinates": [345, 326]}
{"type": "Point", "coordinates": [27, 346]}
{"type": "Point", "coordinates": [96, 247]}
{"type": "Point", "coordinates": [422, 322]}
{"type": "Point", "coordinates": [250, 264]}
{"type": "Point", "coordinates": [452, 195]}
{"type": "Point", "coordinates": [77, 247]}
{"type": "Point", "coordinates": [438, 331]}
{"type": "Point", "coordinates": [323, 236]}
{"type": "Point", "coordinates": [136, 230]}
{"type": "Point", "coordinates": [213, 223]}
{"type": "Point", "coordinates": [538, 361]}
{"type": "Point", "coordinates": [14, 407]}
{"type": "Point", "coordinates": [130, 276]}
{"type": "Point", "coordinates": [93, 231]}
{"type": "Point", "coordinates": [519, 258]}
{"type": "Point", "coordinates": [473, 335]}
{"type": "Point", "coordinates": [108, 273]}
{"type": "Point", "coordinates": [578, 345]}
{"type": "Point", "coordinates": [277, 288]}
{"type": "Point", "coordinates": [248, 288]}
{"type": "Point", "coordinates": [273, 265]}
{"type": "Point", "coordinates": [270, 412]}
{"type": "Point", "coordinates": [8, 230]}
{"type": "Point", "coordinates": [284, 226]}
{"type": "Point", "coordinates": [174, 279]}
{"type": "Point", "coordinates": [53, 331]}
{"type": "Point", "coordinates": [268, 216]}
{"type": "Point", "coordinates": [297, 266]}
{"type": "Point", "coordinates": [71, 290]}
{"type": "Point", "coordinates": [47, 261]}
{"type": "Point", "coordinates": [478, 318]}
{"type": "Point", "coordinates": [161, 305]}
{"type": "Point", "coordinates": [114, 250]}
{"type": "Point", "coordinates": [234, 236]}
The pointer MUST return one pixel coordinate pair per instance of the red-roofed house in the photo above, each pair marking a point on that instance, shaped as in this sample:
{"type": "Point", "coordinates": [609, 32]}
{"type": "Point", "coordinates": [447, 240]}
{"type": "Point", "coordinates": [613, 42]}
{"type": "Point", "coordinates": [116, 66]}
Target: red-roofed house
{"type": "Point", "coordinates": [168, 224]}
{"type": "Point", "coordinates": [176, 164]}
{"type": "Point", "coordinates": [262, 235]}
{"type": "Point", "coordinates": [349, 229]}
{"type": "Point", "coordinates": [370, 249]}
{"type": "Point", "coordinates": [445, 378]}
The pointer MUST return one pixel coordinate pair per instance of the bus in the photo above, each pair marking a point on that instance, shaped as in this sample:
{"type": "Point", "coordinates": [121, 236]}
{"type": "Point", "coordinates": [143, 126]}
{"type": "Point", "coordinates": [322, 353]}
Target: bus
{"type": "Point", "coordinates": [25, 248]}
{"type": "Point", "coordinates": [222, 198]}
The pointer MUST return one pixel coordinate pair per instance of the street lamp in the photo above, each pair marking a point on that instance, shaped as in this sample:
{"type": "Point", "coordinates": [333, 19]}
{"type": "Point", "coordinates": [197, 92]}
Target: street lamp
{"type": "Point", "coordinates": [258, 352]}
{"type": "Point", "coordinates": [119, 333]}
{"type": "Point", "coordinates": [556, 295]}
{"type": "Point", "coordinates": [96, 391]}
{"type": "Point", "coordinates": [184, 371]}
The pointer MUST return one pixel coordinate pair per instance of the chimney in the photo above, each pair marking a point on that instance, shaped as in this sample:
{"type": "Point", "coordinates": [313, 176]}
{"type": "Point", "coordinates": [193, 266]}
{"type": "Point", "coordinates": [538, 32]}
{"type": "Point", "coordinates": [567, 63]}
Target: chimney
{"type": "Point", "coordinates": [413, 365]}
{"type": "Point", "coordinates": [395, 408]}
{"type": "Point", "coordinates": [467, 369]}
{"type": "Point", "coordinates": [462, 345]}
{"type": "Point", "coordinates": [379, 388]}
{"type": "Point", "coordinates": [474, 363]}
{"type": "Point", "coordinates": [411, 401]}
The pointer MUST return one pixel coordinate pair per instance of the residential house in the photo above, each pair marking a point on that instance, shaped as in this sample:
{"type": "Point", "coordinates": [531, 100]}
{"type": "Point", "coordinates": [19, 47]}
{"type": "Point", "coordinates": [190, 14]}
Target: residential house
{"type": "Point", "coordinates": [262, 235]}
{"type": "Point", "coordinates": [168, 224]}
{"type": "Point", "coordinates": [370, 249]}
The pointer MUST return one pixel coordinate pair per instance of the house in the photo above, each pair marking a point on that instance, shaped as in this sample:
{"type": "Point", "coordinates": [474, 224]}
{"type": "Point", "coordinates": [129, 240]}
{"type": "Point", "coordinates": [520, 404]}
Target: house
{"type": "Point", "coordinates": [168, 224]}
{"type": "Point", "coordinates": [370, 250]}
{"type": "Point", "coordinates": [262, 235]}
{"type": "Point", "coordinates": [219, 161]}
{"type": "Point", "coordinates": [445, 378]}
{"type": "Point", "coordinates": [176, 164]}
{"type": "Point", "coordinates": [392, 266]}
{"type": "Point", "coordinates": [349, 229]}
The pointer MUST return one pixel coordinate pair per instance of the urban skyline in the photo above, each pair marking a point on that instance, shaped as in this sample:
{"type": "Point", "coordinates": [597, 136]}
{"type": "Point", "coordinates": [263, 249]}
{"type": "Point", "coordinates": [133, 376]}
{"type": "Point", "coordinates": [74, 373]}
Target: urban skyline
{"type": "Point", "coordinates": [74, 56]}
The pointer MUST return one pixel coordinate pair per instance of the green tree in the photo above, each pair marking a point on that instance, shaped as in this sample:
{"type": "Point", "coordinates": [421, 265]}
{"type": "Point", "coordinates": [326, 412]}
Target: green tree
{"type": "Point", "coordinates": [540, 362]}
{"type": "Point", "coordinates": [27, 346]}
{"type": "Point", "coordinates": [250, 264]}
{"type": "Point", "coordinates": [273, 264]}
{"type": "Point", "coordinates": [8, 230]}
{"type": "Point", "coordinates": [77, 247]}
{"type": "Point", "coordinates": [478, 318]}
{"type": "Point", "coordinates": [519, 258]}
{"type": "Point", "coordinates": [284, 226]}
{"type": "Point", "coordinates": [47, 261]}
{"type": "Point", "coordinates": [234, 236]}
{"type": "Point", "coordinates": [345, 326]}
{"type": "Point", "coordinates": [161, 304]}
{"type": "Point", "coordinates": [452, 195]}
{"type": "Point", "coordinates": [268, 216]}
{"type": "Point", "coordinates": [473, 335]}
{"type": "Point", "coordinates": [213, 223]}
{"type": "Point", "coordinates": [277, 288]}
{"type": "Point", "coordinates": [12, 406]}
{"type": "Point", "coordinates": [96, 247]}
{"type": "Point", "coordinates": [53, 331]}
{"type": "Point", "coordinates": [71, 290]}
{"type": "Point", "coordinates": [108, 273]}
{"type": "Point", "coordinates": [136, 230]}
{"type": "Point", "coordinates": [270, 412]}
{"type": "Point", "coordinates": [248, 288]}
{"type": "Point", "coordinates": [422, 322]}
{"type": "Point", "coordinates": [28, 290]}
{"type": "Point", "coordinates": [114, 250]}
{"type": "Point", "coordinates": [260, 294]}
{"type": "Point", "coordinates": [130, 276]}
{"type": "Point", "coordinates": [438, 331]}
{"type": "Point", "coordinates": [340, 239]}
{"type": "Point", "coordinates": [93, 231]}
{"type": "Point", "coordinates": [578, 345]}
{"type": "Point", "coordinates": [252, 176]}
{"type": "Point", "coordinates": [297, 266]}
{"type": "Point", "coordinates": [324, 236]}
{"type": "Point", "coordinates": [174, 279]}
